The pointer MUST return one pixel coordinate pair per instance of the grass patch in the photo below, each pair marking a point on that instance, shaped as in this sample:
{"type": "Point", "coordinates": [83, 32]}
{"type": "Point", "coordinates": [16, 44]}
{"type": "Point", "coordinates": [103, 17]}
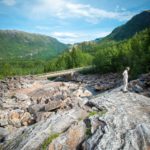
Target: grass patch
{"type": "Point", "coordinates": [100, 113]}
{"type": "Point", "coordinates": [49, 140]}
{"type": "Point", "coordinates": [88, 132]}
{"type": "Point", "coordinates": [92, 113]}
{"type": "Point", "coordinates": [87, 122]}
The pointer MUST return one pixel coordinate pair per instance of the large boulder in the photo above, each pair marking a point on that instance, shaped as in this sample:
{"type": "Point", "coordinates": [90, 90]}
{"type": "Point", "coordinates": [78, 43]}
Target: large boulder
{"type": "Point", "coordinates": [141, 85]}
{"type": "Point", "coordinates": [137, 89]}
{"type": "Point", "coordinates": [27, 119]}
{"type": "Point", "coordinates": [20, 96]}
{"type": "Point", "coordinates": [71, 139]}
{"type": "Point", "coordinates": [52, 105]}
{"type": "Point", "coordinates": [82, 93]}
{"type": "Point", "coordinates": [33, 109]}
{"type": "Point", "coordinates": [14, 119]}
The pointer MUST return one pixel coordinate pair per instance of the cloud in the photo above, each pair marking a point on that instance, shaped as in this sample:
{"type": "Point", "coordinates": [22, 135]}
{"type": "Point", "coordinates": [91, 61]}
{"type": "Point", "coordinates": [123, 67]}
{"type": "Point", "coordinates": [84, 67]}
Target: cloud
{"type": "Point", "coordinates": [120, 9]}
{"type": "Point", "coordinates": [9, 2]}
{"type": "Point", "coordinates": [68, 37]}
{"type": "Point", "coordinates": [64, 9]}
{"type": "Point", "coordinates": [65, 35]}
{"type": "Point", "coordinates": [74, 37]}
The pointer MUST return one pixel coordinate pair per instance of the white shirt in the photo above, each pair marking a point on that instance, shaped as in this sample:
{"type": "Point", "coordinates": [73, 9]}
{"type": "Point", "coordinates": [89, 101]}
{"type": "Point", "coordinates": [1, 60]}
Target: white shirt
{"type": "Point", "coordinates": [125, 74]}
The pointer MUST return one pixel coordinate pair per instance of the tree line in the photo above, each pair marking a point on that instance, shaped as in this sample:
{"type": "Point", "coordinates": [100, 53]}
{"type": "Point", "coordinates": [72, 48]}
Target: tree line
{"type": "Point", "coordinates": [109, 56]}
{"type": "Point", "coordinates": [134, 52]}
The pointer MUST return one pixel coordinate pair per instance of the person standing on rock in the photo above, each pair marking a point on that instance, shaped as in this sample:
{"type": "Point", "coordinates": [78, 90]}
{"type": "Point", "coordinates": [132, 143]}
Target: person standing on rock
{"type": "Point", "coordinates": [125, 79]}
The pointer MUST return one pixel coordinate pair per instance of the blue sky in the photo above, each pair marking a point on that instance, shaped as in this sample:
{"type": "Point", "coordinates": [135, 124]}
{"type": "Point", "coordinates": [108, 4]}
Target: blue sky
{"type": "Point", "coordinates": [69, 21]}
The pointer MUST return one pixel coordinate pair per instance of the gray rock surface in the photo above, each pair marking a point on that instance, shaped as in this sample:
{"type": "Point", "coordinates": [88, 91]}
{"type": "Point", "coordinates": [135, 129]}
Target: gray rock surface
{"type": "Point", "coordinates": [126, 125]}
{"type": "Point", "coordinates": [32, 111]}
{"type": "Point", "coordinates": [3, 134]}
{"type": "Point", "coordinates": [21, 97]}
{"type": "Point", "coordinates": [31, 138]}
{"type": "Point", "coordinates": [141, 85]}
{"type": "Point", "coordinates": [71, 138]}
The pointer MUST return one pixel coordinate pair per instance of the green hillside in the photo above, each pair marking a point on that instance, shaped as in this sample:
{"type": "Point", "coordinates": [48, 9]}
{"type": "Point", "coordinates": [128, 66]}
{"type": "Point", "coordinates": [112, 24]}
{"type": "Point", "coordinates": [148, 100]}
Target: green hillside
{"type": "Point", "coordinates": [133, 52]}
{"type": "Point", "coordinates": [136, 24]}
{"type": "Point", "coordinates": [18, 44]}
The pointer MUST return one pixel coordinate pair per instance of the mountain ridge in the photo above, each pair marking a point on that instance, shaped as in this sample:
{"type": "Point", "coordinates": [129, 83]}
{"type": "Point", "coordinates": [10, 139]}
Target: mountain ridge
{"type": "Point", "coordinates": [136, 24]}
{"type": "Point", "coordinates": [21, 44]}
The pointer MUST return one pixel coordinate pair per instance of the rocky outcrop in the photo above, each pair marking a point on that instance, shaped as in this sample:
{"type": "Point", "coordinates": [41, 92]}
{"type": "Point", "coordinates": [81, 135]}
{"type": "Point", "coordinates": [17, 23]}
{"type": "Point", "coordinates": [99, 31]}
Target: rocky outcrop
{"type": "Point", "coordinates": [22, 107]}
{"type": "Point", "coordinates": [126, 125]}
{"type": "Point", "coordinates": [16, 83]}
{"type": "Point", "coordinates": [32, 137]}
{"type": "Point", "coordinates": [25, 106]}
{"type": "Point", "coordinates": [96, 82]}
{"type": "Point", "coordinates": [141, 85]}
{"type": "Point", "coordinates": [70, 139]}
{"type": "Point", "coordinates": [66, 115]}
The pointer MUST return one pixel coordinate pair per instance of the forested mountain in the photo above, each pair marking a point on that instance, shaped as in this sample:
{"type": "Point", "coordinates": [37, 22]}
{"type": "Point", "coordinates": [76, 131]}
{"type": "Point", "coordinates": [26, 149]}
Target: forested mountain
{"type": "Point", "coordinates": [134, 52]}
{"type": "Point", "coordinates": [18, 44]}
{"type": "Point", "coordinates": [138, 23]}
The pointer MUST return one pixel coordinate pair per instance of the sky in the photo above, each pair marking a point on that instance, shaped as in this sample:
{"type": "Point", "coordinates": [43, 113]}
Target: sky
{"type": "Point", "coordinates": [70, 21]}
